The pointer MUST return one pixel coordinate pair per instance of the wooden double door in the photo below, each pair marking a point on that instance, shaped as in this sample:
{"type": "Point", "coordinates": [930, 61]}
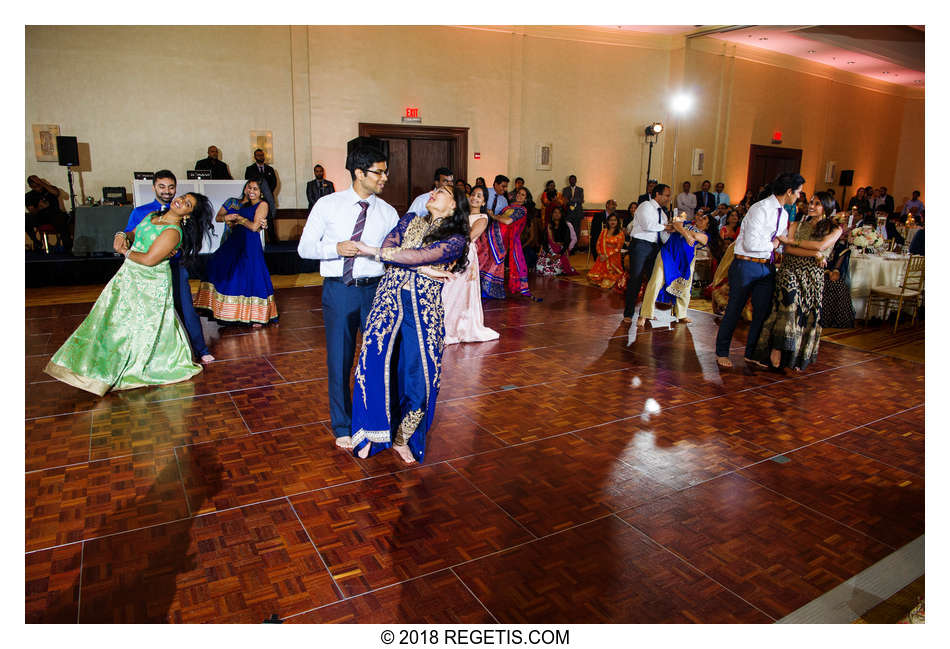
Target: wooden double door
{"type": "Point", "coordinates": [415, 152]}
{"type": "Point", "coordinates": [767, 162]}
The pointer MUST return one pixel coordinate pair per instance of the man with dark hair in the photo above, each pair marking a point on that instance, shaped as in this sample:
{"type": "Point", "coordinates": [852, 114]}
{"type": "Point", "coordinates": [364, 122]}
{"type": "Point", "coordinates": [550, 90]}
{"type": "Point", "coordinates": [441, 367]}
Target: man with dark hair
{"type": "Point", "coordinates": [318, 187]}
{"type": "Point", "coordinates": [42, 208]}
{"type": "Point", "coordinates": [649, 222]}
{"type": "Point", "coordinates": [573, 202]}
{"type": "Point", "coordinates": [496, 195]}
{"type": "Point", "coordinates": [705, 198]}
{"type": "Point", "coordinates": [599, 223]}
{"type": "Point", "coordinates": [349, 281]}
{"type": "Point", "coordinates": [912, 203]}
{"type": "Point", "coordinates": [164, 185]}
{"type": "Point", "coordinates": [752, 273]}
{"type": "Point", "coordinates": [686, 201]}
{"type": "Point", "coordinates": [261, 171]}
{"type": "Point", "coordinates": [645, 197]}
{"type": "Point", "coordinates": [722, 198]}
{"type": "Point", "coordinates": [219, 170]}
{"type": "Point", "coordinates": [883, 200]}
{"type": "Point", "coordinates": [443, 178]}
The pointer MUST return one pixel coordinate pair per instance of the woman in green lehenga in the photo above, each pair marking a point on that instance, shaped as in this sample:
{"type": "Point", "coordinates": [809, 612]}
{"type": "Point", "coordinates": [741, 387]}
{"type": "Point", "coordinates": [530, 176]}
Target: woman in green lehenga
{"type": "Point", "coordinates": [132, 337]}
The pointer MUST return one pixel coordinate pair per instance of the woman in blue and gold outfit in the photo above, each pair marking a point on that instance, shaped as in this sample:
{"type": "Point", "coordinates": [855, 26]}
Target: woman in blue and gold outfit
{"type": "Point", "coordinates": [401, 357]}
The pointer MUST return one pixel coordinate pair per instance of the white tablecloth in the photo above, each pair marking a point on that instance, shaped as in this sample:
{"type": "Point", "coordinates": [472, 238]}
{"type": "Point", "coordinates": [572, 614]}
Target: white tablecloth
{"type": "Point", "coordinates": [872, 270]}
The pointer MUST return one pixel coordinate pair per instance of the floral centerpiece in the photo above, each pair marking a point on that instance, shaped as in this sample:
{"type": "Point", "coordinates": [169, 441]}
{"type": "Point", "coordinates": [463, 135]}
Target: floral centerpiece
{"type": "Point", "coordinates": [866, 238]}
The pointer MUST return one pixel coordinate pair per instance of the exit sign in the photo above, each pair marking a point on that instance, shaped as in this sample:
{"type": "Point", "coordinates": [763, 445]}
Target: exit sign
{"type": "Point", "coordinates": [412, 115]}
{"type": "Point", "coordinates": [412, 112]}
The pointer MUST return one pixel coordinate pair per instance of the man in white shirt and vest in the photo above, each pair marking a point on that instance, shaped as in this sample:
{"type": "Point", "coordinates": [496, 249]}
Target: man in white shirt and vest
{"type": "Point", "coordinates": [349, 280]}
{"type": "Point", "coordinates": [443, 178]}
{"type": "Point", "coordinates": [752, 274]}
{"type": "Point", "coordinates": [649, 223]}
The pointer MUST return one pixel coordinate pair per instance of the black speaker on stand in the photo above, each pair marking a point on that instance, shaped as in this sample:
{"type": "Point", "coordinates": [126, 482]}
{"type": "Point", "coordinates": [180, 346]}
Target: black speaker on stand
{"type": "Point", "coordinates": [845, 180]}
{"type": "Point", "coordinates": [67, 148]}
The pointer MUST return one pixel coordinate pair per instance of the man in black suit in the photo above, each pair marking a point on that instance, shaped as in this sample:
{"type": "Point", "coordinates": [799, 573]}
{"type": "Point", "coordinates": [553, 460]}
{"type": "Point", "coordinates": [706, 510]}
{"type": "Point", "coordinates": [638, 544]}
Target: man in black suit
{"type": "Point", "coordinates": [599, 223]}
{"type": "Point", "coordinates": [705, 198]}
{"type": "Point", "coordinates": [643, 198]}
{"type": "Point", "coordinates": [885, 199]}
{"type": "Point", "coordinates": [261, 170]}
{"type": "Point", "coordinates": [219, 170]}
{"type": "Point", "coordinates": [318, 187]}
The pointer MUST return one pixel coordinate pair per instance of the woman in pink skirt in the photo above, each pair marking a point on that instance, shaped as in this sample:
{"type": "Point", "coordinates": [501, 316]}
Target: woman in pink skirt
{"type": "Point", "coordinates": [462, 295]}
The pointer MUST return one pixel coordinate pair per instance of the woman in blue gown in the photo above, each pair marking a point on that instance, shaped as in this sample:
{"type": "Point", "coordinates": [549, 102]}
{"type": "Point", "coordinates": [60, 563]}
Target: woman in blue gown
{"type": "Point", "coordinates": [400, 366]}
{"type": "Point", "coordinates": [238, 287]}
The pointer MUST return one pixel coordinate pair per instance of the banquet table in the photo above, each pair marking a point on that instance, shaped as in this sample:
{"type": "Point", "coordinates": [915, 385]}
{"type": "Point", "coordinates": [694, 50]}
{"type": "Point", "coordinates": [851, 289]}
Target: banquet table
{"type": "Point", "coordinates": [873, 270]}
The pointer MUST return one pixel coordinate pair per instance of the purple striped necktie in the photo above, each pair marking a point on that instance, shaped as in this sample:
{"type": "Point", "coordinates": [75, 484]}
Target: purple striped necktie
{"type": "Point", "coordinates": [357, 233]}
{"type": "Point", "coordinates": [778, 221]}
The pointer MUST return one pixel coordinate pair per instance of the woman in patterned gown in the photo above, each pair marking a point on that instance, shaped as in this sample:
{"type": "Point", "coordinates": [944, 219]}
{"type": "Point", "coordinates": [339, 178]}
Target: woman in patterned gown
{"type": "Point", "coordinates": [400, 365]}
{"type": "Point", "coordinates": [792, 330]}
{"type": "Point", "coordinates": [555, 249]}
{"type": "Point", "coordinates": [132, 336]}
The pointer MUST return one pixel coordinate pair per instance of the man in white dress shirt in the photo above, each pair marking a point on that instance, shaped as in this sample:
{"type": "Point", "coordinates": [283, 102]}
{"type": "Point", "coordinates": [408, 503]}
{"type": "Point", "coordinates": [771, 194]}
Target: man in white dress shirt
{"type": "Point", "coordinates": [752, 274]}
{"type": "Point", "coordinates": [649, 222]}
{"type": "Point", "coordinates": [443, 178]}
{"type": "Point", "coordinates": [686, 201]}
{"type": "Point", "coordinates": [349, 281]}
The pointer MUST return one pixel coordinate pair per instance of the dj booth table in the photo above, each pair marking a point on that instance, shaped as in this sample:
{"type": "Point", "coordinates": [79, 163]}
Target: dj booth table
{"type": "Point", "coordinates": [96, 227]}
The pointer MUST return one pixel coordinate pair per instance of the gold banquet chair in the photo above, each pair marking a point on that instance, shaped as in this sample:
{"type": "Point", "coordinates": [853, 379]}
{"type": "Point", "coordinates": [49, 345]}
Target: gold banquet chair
{"type": "Point", "coordinates": [910, 291]}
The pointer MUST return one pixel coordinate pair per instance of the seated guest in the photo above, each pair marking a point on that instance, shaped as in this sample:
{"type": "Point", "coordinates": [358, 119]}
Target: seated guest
{"type": "Point", "coordinates": [556, 245]}
{"type": "Point", "coordinates": [859, 202]}
{"type": "Point", "coordinates": [837, 309]}
{"type": "Point", "coordinates": [672, 278]}
{"type": "Point", "coordinates": [550, 198]}
{"type": "Point", "coordinates": [532, 238]}
{"type": "Point", "coordinates": [748, 199]}
{"type": "Point", "coordinates": [219, 170]}
{"type": "Point", "coordinates": [39, 212]}
{"type": "Point", "coordinates": [607, 271]}
{"type": "Point", "coordinates": [519, 183]}
{"type": "Point", "coordinates": [890, 229]}
{"type": "Point", "coordinates": [42, 208]}
{"type": "Point", "coordinates": [718, 216]}
{"type": "Point", "coordinates": [480, 182]}
{"type": "Point", "coordinates": [917, 244]}
{"type": "Point", "coordinates": [600, 221]}
{"type": "Point", "coordinates": [730, 229]}
{"type": "Point", "coordinates": [462, 186]}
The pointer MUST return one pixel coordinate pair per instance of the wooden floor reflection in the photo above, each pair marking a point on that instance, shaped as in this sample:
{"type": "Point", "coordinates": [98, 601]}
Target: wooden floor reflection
{"type": "Point", "coordinates": [570, 477]}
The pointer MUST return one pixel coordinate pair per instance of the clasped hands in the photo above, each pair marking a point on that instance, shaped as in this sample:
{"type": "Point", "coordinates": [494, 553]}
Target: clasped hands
{"type": "Point", "coordinates": [356, 248]}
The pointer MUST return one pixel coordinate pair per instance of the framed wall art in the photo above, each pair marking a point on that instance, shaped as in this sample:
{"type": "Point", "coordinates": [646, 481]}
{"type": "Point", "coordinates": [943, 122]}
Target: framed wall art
{"type": "Point", "coordinates": [44, 142]}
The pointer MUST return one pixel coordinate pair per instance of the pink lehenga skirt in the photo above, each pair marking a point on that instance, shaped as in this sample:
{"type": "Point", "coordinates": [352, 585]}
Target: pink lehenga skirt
{"type": "Point", "coordinates": [462, 301]}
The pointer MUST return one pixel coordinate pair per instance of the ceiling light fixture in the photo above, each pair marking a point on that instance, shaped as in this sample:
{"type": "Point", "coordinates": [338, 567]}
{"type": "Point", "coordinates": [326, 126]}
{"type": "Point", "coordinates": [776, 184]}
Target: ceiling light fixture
{"type": "Point", "coordinates": [763, 38]}
{"type": "Point", "coordinates": [811, 51]}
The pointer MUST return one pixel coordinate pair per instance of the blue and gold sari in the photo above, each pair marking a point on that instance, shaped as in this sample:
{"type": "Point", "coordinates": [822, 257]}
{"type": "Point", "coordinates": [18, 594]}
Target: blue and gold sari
{"type": "Point", "coordinates": [400, 365]}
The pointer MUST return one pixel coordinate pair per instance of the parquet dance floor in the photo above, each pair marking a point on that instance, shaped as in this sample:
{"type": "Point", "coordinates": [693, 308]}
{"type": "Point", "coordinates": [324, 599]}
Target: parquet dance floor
{"type": "Point", "coordinates": [552, 491]}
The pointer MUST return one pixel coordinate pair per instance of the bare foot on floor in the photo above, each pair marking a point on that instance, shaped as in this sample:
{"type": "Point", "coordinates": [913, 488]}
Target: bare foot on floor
{"type": "Point", "coordinates": [363, 453]}
{"type": "Point", "coordinates": [776, 357]}
{"type": "Point", "coordinates": [684, 320]}
{"type": "Point", "coordinates": [723, 361]}
{"type": "Point", "coordinates": [256, 325]}
{"type": "Point", "coordinates": [626, 319]}
{"type": "Point", "coordinates": [641, 322]}
{"type": "Point", "coordinates": [207, 358]}
{"type": "Point", "coordinates": [404, 454]}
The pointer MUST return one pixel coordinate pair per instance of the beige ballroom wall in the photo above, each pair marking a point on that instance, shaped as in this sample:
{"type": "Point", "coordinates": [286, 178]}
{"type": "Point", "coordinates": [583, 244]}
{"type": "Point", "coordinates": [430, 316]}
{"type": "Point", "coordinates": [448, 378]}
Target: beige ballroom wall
{"type": "Point", "coordinates": [145, 97]}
